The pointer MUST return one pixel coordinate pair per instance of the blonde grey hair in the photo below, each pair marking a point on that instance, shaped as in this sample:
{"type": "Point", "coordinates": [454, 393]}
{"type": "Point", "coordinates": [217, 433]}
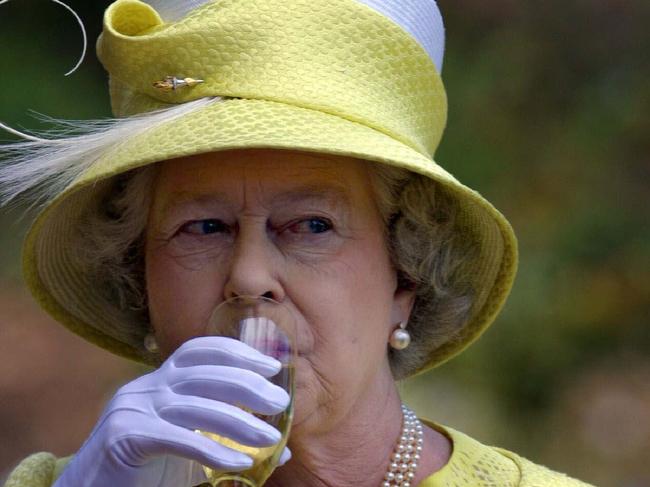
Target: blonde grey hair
{"type": "Point", "coordinates": [428, 253]}
{"type": "Point", "coordinates": [426, 249]}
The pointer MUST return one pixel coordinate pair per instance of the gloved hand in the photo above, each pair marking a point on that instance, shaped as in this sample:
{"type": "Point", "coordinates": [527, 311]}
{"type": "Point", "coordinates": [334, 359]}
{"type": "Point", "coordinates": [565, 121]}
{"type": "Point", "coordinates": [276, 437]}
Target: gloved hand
{"type": "Point", "coordinates": [145, 436]}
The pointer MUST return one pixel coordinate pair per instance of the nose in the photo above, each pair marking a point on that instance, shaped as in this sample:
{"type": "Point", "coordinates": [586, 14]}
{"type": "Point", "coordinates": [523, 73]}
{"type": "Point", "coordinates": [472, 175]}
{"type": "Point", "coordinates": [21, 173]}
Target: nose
{"type": "Point", "coordinates": [254, 267]}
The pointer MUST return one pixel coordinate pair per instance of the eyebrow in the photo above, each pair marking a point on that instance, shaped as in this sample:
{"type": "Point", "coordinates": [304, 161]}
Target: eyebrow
{"type": "Point", "coordinates": [334, 194]}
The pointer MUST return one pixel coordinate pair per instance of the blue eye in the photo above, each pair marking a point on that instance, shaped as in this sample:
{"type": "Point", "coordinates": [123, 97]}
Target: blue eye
{"type": "Point", "coordinates": [205, 227]}
{"type": "Point", "coordinates": [318, 225]}
{"type": "Point", "coordinates": [311, 225]}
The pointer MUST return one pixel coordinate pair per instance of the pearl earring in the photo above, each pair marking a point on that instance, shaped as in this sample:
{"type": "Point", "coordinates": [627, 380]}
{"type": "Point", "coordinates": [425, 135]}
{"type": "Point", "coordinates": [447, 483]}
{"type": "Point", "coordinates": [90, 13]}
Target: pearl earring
{"type": "Point", "coordinates": [150, 343]}
{"type": "Point", "coordinates": [400, 338]}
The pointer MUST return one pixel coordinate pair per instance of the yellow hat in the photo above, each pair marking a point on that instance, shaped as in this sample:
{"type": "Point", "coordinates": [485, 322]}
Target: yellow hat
{"type": "Point", "coordinates": [329, 76]}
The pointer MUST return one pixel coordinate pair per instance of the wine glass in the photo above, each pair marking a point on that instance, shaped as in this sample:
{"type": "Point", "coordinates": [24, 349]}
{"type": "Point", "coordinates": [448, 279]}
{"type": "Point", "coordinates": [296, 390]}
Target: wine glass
{"type": "Point", "coordinates": [269, 327]}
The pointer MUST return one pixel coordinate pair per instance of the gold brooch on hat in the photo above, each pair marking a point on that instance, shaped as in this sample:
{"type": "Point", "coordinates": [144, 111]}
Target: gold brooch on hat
{"type": "Point", "coordinates": [172, 83]}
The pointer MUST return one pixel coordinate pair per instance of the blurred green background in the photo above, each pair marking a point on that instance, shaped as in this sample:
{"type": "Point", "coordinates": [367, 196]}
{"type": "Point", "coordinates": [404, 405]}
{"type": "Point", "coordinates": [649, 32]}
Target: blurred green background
{"type": "Point", "coordinates": [549, 119]}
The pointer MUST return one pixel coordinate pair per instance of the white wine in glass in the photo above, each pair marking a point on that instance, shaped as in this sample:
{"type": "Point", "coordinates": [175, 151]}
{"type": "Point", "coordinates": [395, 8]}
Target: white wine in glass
{"type": "Point", "coordinates": [270, 328]}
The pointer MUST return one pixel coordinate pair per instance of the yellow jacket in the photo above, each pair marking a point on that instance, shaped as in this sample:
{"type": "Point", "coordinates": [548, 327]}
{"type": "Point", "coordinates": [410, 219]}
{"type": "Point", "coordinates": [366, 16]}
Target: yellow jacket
{"type": "Point", "coordinates": [472, 464]}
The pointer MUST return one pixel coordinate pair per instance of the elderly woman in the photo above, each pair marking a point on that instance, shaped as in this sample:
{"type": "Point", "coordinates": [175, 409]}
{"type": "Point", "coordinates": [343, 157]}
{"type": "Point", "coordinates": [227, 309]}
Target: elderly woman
{"type": "Point", "coordinates": [281, 149]}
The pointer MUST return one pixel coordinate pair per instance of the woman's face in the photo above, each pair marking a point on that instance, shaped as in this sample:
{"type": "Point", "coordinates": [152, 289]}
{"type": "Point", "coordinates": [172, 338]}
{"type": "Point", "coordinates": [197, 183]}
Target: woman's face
{"type": "Point", "coordinates": [301, 228]}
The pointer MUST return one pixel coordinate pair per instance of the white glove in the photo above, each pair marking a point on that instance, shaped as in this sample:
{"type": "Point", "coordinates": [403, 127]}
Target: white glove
{"type": "Point", "coordinates": [145, 436]}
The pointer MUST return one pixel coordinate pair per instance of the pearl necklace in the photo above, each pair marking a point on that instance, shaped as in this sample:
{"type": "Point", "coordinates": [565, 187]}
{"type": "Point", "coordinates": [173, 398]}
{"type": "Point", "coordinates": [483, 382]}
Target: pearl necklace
{"type": "Point", "coordinates": [406, 456]}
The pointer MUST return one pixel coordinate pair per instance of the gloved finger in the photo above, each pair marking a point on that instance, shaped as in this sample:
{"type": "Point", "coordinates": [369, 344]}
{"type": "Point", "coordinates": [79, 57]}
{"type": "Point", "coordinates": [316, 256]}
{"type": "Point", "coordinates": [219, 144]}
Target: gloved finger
{"type": "Point", "coordinates": [153, 438]}
{"type": "Point", "coordinates": [285, 457]}
{"type": "Point", "coordinates": [214, 350]}
{"type": "Point", "coordinates": [231, 385]}
{"type": "Point", "coordinates": [217, 417]}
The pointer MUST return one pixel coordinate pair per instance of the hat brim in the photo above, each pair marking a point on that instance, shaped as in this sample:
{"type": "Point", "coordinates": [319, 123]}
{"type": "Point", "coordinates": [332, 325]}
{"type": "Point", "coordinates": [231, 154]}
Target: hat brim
{"type": "Point", "coordinates": [71, 296]}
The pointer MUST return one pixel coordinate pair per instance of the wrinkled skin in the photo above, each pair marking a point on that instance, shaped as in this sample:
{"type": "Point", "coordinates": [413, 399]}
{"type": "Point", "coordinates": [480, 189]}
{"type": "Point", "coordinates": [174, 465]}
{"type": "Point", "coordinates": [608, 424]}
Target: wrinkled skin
{"type": "Point", "coordinates": [303, 229]}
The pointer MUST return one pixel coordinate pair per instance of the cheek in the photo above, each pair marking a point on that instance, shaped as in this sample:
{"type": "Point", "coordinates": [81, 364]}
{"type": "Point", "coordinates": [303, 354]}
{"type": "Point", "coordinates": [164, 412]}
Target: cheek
{"type": "Point", "coordinates": [365, 290]}
{"type": "Point", "coordinates": [347, 303]}
{"type": "Point", "coordinates": [181, 298]}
